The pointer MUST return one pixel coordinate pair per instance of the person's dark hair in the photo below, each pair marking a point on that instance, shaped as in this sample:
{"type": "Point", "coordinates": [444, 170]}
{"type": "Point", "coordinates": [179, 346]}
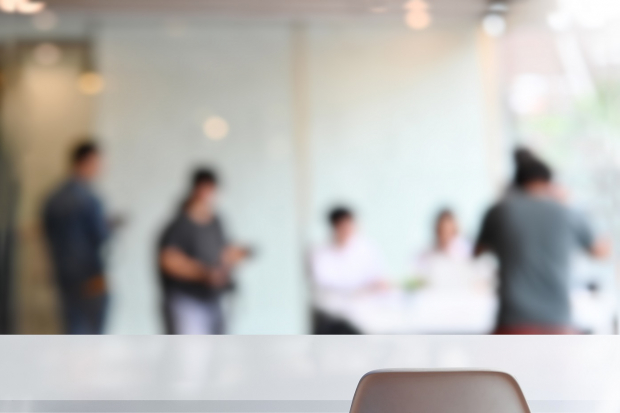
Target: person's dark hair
{"type": "Point", "coordinates": [204, 176]}
{"type": "Point", "coordinates": [443, 214]}
{"type": "Point", "coordinates": [82, 151]}
{"type": "Point", "coordinates": [200, 176]}
{"type": "Point", "coordinates": [532, 171]}
{"type": "Point", "coordinates": [530, 168]}
{"type": "Point", "coordinates": [523, 154]}
{"type": "Point", "coordinates": [339, 214]}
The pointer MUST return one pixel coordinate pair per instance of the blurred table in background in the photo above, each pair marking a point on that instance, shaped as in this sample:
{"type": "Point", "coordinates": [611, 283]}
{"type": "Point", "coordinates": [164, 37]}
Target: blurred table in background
{"type": "Point", "coordinates": [430, 311]}
{"type": "Point", "coordinates": [420, 312]}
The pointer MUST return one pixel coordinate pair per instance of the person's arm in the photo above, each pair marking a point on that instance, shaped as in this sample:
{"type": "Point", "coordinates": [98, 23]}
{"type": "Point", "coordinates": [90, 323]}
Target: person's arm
{"type": "Point", "coordinates": [596, 248]}
{"type": "Point", "coordinates": [96, 221]}
{"type": "Point", "coordinates": [177, 264]}
{"type": "Point", "coordinates": [321, 270]}
{"type": "Point", "coordinates": [379, 280]}
{"type": "Point", "coordinates": [601, 249]}
{"type": "Point", "coordinates": [232, 255]}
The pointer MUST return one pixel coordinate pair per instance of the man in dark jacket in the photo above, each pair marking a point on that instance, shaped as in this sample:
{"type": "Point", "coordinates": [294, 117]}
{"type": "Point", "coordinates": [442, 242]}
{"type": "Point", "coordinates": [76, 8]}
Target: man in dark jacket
{"type": "Point", "coordinates": [76, 230]}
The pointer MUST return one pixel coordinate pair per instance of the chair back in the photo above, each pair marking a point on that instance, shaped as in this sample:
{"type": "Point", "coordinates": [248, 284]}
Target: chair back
{"type": "Point", "coordinates": [438, 391]}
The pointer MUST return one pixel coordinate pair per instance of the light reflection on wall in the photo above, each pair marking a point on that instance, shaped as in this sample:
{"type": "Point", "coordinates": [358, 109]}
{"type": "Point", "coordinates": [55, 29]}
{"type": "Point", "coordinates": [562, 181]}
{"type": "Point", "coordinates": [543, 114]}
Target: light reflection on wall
{"type": "Point", "coordinates": [91, 83]}
{"type": "Point", "coordinates": [215, 128]}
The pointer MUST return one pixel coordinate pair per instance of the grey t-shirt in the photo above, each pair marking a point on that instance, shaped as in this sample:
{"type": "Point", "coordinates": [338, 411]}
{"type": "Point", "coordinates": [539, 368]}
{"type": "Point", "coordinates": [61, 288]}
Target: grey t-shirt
{"type": "Point", "coordinates": [533, 238]}
{"type": "Point", "coordinates": [202, 242]}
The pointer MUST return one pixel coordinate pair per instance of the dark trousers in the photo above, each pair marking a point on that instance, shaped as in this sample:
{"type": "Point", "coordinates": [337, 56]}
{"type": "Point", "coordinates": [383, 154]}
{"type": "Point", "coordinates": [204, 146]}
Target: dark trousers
{"type": "Point", "coordinates": [81, 314]}
{"type": "Point", "coordinates": [324, 323]}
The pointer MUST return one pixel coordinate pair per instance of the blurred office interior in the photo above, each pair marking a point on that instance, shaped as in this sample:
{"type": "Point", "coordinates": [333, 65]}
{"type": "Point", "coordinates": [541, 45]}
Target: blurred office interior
{"type": "Point", "coordinates": [396, 108]}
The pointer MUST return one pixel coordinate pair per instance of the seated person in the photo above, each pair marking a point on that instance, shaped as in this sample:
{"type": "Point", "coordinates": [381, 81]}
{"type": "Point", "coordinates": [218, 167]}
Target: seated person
{"type": "Point", "coordinates": [448, 264]}
{"type": "Point", "coordinates": [347, 266]}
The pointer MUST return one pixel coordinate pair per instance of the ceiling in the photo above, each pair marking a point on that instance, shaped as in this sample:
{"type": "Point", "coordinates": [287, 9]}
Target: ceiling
{"type": "Point", "coordinates": [439, 8]}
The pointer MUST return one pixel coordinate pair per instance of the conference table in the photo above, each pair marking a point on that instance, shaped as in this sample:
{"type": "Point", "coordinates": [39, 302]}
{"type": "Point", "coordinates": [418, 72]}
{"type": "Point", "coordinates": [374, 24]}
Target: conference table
{"type": "Point", "coordinates": [425, 311]}
{"type": "Point", "coordinates": [439, 311]}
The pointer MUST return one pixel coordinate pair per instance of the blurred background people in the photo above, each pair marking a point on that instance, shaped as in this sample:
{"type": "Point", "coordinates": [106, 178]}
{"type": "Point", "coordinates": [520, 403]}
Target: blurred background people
{"type": "Point", "coordinates": [347, 266]}
{"type": "Point", "coordinates": [296, 130]}
{"type": "Point", "coordinates": [523, 156]}
{"type": "Point", "coordinates": [76, 230]}
{"type": "Point", "coordinates": [533, 235]}
{"type": "Point", "coordinates": [196, 261]}
{"type": "Point", "coordinates": [447, 264]}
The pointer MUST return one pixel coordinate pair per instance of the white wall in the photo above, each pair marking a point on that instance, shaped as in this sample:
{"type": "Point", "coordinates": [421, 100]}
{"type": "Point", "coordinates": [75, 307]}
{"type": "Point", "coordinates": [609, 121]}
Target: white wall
{"type": "Point", "coordinates": [160, 89]}
{"type": "Point", "coordinates": [395, 129]}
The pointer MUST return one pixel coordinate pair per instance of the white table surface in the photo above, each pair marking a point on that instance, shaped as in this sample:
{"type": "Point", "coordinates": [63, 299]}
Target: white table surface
{"type": "Point", "coordinates": [423, 312]}
{"type": "Point", "coordinates": [473, 311]}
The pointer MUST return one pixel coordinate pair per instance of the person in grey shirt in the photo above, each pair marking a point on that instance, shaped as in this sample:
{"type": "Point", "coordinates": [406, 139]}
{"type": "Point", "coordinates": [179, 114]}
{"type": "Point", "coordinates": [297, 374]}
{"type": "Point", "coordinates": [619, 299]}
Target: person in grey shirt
{"type": "Point", "coordinates": [195, 262]}
{"type": "Point", "coordinates": [533, 236]}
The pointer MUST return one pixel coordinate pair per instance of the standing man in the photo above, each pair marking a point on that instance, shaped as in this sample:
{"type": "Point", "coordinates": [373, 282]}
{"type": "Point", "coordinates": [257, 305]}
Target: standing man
{"type": "Point", "coordinates": [76, 230]}
{"type": "Point", "coordinates": [195, 262]}
{"type": "Point", "coordinates": [533, 234]}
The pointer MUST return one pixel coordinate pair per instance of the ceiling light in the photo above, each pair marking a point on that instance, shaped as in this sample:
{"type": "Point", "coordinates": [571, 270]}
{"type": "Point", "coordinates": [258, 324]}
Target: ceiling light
{"type": "Point", "coordinates": [30, 7]}
{"type": "Point", "coordinates": [417, 14]}
{"type": "Point", "coordinates": [494, 25]}
{"type": "Point", "coordinates": [8, 6]}
{"type": "Point", "coordinates": [21, 6]}
{"type": "Point", "coordinates": [418, 21]}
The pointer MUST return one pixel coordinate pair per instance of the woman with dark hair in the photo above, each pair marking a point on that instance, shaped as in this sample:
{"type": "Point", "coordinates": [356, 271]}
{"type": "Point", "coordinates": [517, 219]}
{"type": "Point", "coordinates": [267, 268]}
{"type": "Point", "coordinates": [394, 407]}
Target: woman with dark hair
{"type": "Point", "coordinates": [447, 264]}
{"type": "Point", "coordinates": [196, 261]}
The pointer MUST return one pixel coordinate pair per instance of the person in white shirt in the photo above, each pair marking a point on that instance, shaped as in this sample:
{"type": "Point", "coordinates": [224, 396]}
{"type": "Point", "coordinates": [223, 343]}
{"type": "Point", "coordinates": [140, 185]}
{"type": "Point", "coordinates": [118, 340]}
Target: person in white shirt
{"type": "Point", "coordinates": [348, 266]}
{"type": "Point", "coordinates": [448, 264]}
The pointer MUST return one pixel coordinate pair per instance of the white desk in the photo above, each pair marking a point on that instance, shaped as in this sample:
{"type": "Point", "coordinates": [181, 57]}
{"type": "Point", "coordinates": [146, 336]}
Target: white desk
{"type": "Point", "coordinates": [304, 368]}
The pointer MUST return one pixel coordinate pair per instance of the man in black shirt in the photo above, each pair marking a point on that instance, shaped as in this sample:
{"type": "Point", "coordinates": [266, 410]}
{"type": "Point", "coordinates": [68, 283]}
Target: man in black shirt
{"type": "Point", "coordinates": [195, 261]}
